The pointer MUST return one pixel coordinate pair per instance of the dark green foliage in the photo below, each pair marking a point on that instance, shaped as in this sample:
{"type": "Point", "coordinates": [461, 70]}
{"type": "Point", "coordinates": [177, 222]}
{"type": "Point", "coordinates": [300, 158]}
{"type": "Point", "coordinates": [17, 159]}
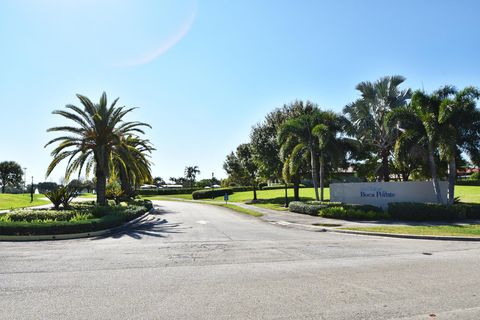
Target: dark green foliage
{"type": "Point", "coordinates": [337, 210]}
{"type": "Point", "coordinates": [165, 191]}
{"type": "Point", "coordinates": [48, 222]}
{"type": "Point", "coordinates": [61, 196]}
{"type": "Point", "coordinates": [305, 208]}
{"type": "Point", "coordinates": [428, 211]}
{"type": "Point", "coordinates": [241, 188]}
{"type": "Point", "coordinates": [46, 186]}
{"type": "Point", "coordinates": [211, 193]}
{"type": "Point", "coordinates": [467, 183]}
{"type": "Point", "coordinates": [352, 213]}
{"type": "Point", "coordinates": [276, 187]}
{"type": "Point", "coordinates": [10, 175]}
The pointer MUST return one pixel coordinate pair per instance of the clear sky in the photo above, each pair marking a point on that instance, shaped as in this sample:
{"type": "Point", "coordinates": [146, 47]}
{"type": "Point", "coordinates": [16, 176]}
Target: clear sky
{"type": "Point", "coordinates": [204, 71]}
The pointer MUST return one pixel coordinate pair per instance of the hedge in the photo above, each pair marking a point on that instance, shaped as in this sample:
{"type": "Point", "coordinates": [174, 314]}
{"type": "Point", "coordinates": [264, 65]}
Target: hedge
{"type": "Point", "coordinates": [350, 213]}
{"type": "Point", "coordinates": [106, 218]}
{"type": "Point", "coordinates": [467, 183]}
{"type": "Point", "coordinates": [211, 193]}
{"type": "Point", "coordinates": [165, 191]}
{"type": "Point", "coordinates": [276, 187]}
{"type": "Point", "coordinates": [337, 210]}
{"type": "Point", "coordinates": [433, 211]}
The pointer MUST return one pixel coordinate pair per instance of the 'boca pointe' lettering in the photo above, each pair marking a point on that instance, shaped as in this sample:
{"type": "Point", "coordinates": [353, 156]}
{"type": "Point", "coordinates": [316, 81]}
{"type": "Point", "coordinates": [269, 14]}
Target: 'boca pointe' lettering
{"type": "Point", "coordinates": [377, 194]}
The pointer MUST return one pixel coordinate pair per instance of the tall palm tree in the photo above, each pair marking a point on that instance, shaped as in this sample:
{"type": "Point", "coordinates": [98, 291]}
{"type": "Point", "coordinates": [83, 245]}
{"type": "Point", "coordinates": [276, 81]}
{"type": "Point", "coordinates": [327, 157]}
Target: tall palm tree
{"type": "Point", "coordinates": [459, 120]}
{"type": "Point", "coordinates": [301, 129]}
{"type": "Point", "coordinates": [95, 141]}
{"type": "Point", "coordinates": [130, 162]}
{"type": "Point", "coordinates": [332, 143]}
{"type": "Point", "coordinates": [191, 174]}
{"type": "Point", "coordinates": [369, 115]}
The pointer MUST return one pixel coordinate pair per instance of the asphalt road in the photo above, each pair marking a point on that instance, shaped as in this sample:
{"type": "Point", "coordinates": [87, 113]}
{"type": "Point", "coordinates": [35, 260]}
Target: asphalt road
{"type": "Point", "coordinates": [194, 261]}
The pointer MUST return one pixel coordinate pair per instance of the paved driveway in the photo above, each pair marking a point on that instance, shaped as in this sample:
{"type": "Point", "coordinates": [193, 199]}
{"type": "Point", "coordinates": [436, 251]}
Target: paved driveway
{"type": "Point", "coordinates": [194, 261]}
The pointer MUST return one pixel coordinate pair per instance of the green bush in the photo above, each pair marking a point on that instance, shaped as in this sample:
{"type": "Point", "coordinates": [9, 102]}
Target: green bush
{"type": "Point", "coordinates": [305, 208]}
{"type": "Point", "coordinates": [61, 196]}
{"type": "Point", "coordinates": [165, 191]}
{"type": "Point", "coordinates": [211, 193]}
{"type": "Point", "coordinates": [350, 213]}
{"type": "Point", "coordinates": [242, 188]}
{"type": "Point", "coordinates": [430, 211]}
{"type": "Point", "coordinates": [475, 176]}
{"type": "Point", "coordinates": [81, 218]}
{"type": "Point", "coordinates": [467, 183]}
{"type": "Point", "coordinates": [281, 186]}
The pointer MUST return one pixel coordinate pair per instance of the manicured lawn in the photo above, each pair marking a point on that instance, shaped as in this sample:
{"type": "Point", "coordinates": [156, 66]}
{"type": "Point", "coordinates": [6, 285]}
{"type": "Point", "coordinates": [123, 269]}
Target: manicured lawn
{"type": "Point", "coordinates": [11, 201]}
{"type": "Point", "coordinates": [87, 195]}
{"type": "Point", "coordinates": [469, 194]}
{"type": "Point", "coordinates": [275, 199]}
{"type": "Point", "coordinates": [450, 230]}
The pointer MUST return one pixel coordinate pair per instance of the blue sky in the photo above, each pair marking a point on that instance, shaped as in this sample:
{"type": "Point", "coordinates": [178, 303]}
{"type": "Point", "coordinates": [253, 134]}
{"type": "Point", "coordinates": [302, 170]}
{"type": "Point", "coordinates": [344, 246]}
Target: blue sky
{"type": "Point", "coordinates": [203, 71]}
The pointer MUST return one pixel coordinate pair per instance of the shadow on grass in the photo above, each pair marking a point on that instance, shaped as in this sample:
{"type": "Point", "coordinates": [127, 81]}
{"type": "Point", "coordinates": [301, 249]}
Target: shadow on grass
{"type": "Point", "coordinates": [153, 225]}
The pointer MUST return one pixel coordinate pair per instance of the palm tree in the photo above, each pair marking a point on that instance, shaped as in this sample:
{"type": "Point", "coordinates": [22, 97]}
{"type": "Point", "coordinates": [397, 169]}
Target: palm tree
{"type": "Point", "coordinates": [95, 141]}
{"type": "Point", "coordinates": [459, 120]}
{"type": "Point", "coordinates": [333, 145]}
{"type": "Point", "coordinates": [130, 162]}
{"type": "Point", "coordinates": [301, 130]}
{"type": "Point", "coordinates": [191, 174]}
{"type": "Point", "coordinates": [369, 116]}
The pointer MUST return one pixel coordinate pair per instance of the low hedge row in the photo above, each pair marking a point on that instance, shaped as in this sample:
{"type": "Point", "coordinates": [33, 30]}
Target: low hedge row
{"type": "Point", "coordinates": [433, 211]}
{"type": "Point", "coordinates": [276, 187]}
{"type": "Point", "coordinates": [467, 183]}
{"type": "Point", "coordinates": [352, 213]}
{"type": "Point", "coordinates": [397, 210]}
{"type": "Point", "coordinates": [165, 191]}
{"type": "Point", "coordinates": [104, 218]}
{"type": "Point", "coordinates": [211, 193]}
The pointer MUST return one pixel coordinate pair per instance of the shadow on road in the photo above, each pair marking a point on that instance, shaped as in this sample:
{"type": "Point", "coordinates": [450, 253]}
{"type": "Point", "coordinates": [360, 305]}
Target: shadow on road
{"type": "Point", "coordinates": [152, 225]}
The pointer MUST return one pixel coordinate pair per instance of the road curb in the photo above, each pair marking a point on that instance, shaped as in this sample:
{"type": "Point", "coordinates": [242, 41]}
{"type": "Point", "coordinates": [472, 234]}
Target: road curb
{"type": "Point", "coordinates": [402, 235]}
{"type": "Point", "coordinates": [71, 236]}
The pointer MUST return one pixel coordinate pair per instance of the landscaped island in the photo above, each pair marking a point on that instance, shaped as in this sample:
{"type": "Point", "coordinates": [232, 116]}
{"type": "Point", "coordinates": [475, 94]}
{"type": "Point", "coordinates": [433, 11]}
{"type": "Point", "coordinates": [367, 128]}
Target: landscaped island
{"type": "Point", "coordinates": [77, 218]}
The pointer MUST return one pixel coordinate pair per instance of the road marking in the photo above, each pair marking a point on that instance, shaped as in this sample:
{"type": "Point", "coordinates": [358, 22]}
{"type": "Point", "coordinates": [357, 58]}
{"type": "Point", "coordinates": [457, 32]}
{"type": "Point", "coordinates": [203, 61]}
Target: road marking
{"type": "Point", "coordinates": [202, 222]}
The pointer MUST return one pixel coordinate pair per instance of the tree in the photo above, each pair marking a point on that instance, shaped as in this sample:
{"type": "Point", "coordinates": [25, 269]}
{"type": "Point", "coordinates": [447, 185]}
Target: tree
{"type": "Point", "coordinates": [191, 174]}
{"type": "Point", "coordinates": [95, 141]}
{"type": "Point", "coordinates": [180, 181]}
{"type": "Point", "coordinates": [235, 170]}
{"type": "Point", "coordinates": [369, 116]}
{"type": "Point", "coordinates": [158, 181]}
{"type": "Point", "coordinates": [10, 174]}
{"type": "Point", "coordinates": [459, 121]}
{"type": "Point", "coordinates": [333, 146]}
{"type": "Point", "coordinates": [245, 156]}
{"type": "Point", "coordinates": [266, 148]}
{"type": "Point", "coordinates": [135, 152]}
{"type": "Point", "coordinates": [300, 129]}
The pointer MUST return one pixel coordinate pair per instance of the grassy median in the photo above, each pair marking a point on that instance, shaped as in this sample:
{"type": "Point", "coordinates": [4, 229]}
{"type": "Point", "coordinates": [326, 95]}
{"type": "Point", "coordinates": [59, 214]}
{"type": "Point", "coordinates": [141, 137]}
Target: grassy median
{"type": "Point", "coordinates": [472, 230]}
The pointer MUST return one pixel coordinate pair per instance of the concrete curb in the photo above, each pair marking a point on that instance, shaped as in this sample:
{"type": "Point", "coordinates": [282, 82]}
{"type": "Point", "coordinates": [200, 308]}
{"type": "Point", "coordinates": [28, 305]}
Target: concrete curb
{"type": "Point", "coordinates": [402, 235]}
{"type": "Point", "coordinates": [75, 235]}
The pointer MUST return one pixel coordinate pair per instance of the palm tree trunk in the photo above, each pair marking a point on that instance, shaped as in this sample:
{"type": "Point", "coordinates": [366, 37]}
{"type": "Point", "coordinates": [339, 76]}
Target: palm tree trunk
{"type": "Point", "coordinates": [385, 165]}
{"type": "Point", "coordinates": [296, 188]}
{"type": "Point", "coordinates": [314, 174]}
{"type": "Point", "coordinates": [286, 194]}
{"type": "Point", "coordinates": [101, 187]}
{"type": "Point", "coordinates": [322, 178]}
{"type": "Point", "coordinates": [433, 171]}
{"type": "Point", "coordinates": [452, 174]}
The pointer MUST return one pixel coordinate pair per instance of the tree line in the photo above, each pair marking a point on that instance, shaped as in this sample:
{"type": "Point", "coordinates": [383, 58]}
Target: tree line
{"type": "Point", "coordinates": [387, 133]}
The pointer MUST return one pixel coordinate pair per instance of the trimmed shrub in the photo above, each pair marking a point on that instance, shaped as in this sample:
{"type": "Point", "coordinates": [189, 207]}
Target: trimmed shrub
{"type": "Point", "coordinates": [242, 188]}
{"type": "Point", "coordinates": [467, 183]}
{"type": "Point", "coordinates": [305, 208]}
{"type": "Point", "coordinates": [281, 186]}
{"type": "Point", "coordinates": [211, 193]}
{"type": "Point", "coordinates": [430, 211]}
{"type": "Point", "coordinates": [350, 213]}
{"type": "Point", "coordinates": [165, 191]}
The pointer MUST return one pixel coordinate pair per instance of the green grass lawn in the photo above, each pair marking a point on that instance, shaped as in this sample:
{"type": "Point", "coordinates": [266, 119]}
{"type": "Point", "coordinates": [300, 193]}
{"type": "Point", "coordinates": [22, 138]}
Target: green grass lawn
{"type": "Point", "coordinates": [275, 199]}
{"type": "Point", "coordinates": [11, 201]}
{"type": "Point", "coordinates": [450, 230]}
{"type": "Point", "coordinates": [469, 194]}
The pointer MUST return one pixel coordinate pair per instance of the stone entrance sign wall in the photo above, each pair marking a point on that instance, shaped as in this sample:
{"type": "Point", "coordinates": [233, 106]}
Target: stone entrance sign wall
{"type": "Point", "coordinates": [381, 193]}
